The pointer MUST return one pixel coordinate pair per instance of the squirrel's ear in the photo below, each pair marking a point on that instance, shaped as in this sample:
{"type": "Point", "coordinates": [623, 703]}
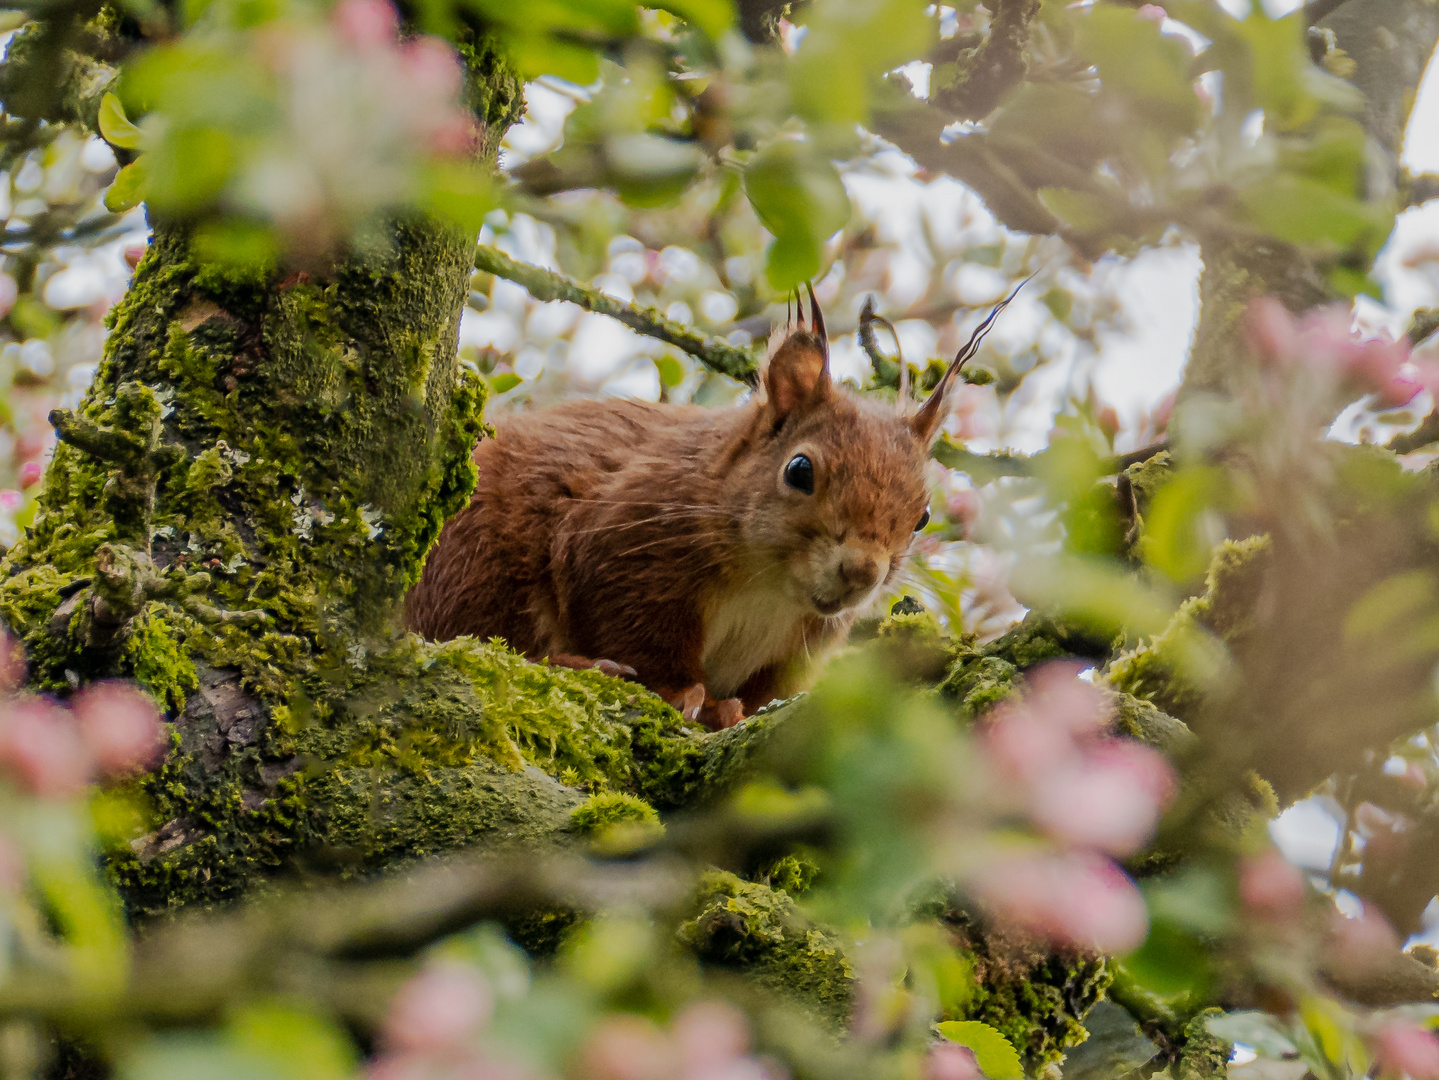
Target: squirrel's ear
{"type": "Point", "coordinates": [926, 423]}
{"type": "Point", "coordinates": [797, 371]}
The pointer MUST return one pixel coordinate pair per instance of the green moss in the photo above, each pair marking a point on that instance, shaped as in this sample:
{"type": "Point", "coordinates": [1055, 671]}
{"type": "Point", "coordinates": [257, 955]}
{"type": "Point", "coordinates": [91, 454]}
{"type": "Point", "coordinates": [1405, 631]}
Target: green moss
{"type": "Point", "coordinates": [155, 654]}
{"type": "Point", "coordinates": [980, 676]}
{"type": "Point", "coordinates": [1204, 1055]}
{"type": "Point", "coordinates": [738, 923]}
{"type": "Point", "coordinates": [1152, 670]}
{"type": "Point", "coordinates": [1037, 997]}
{"type": "Point", "coordinates": [794, 872]}
{"type": "Point", "coordinates": [609, 808]}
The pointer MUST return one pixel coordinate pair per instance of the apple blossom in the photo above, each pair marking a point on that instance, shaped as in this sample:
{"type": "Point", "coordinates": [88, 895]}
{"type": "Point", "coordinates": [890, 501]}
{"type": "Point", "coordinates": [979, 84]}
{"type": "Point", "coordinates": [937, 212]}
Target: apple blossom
{"type": "Point", "coordinates": [119, 726]}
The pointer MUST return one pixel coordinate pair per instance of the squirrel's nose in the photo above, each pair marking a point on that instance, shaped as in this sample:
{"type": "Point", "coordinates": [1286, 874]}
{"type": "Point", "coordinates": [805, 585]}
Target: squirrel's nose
{"type": "Point", "coordinates": [858, 570]}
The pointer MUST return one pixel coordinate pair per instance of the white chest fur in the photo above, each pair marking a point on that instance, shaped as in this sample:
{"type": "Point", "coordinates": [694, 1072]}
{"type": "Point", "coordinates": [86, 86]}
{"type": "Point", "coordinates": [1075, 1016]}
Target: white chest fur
{"type": "Point", "coordinates": [745, 631]}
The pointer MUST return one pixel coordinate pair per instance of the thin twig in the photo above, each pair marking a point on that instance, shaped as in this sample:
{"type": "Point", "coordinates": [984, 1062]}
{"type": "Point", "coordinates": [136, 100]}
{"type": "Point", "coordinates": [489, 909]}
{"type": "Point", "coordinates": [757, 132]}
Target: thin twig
{"type": "Point", "coordinates": [542, 284]}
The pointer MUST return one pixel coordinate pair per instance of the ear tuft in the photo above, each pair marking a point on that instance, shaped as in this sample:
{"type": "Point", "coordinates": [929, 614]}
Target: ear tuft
{"type": "Point", "coordinates": [796, 372]}
{"type": "Point", "coordinates": [927, 422]}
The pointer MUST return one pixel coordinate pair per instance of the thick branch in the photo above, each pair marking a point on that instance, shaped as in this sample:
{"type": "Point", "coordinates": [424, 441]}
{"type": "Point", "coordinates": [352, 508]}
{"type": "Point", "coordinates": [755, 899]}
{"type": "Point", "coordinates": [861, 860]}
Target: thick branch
{"type": "Point", "coordinates": [542, 284]}
{"type": "Point", "coordinates": [1420, 189]}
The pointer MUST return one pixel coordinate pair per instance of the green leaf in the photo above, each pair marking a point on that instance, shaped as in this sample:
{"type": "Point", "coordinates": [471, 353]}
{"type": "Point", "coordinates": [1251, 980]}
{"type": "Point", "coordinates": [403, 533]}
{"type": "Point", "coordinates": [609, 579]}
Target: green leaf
{"type": "Point", "coordinates": [128, 188]}
{"type": "Point", "coordinates": [847, 46]}
{"type": "Point", "coordinates": [800, 198]}
{"type": "Point", "coordinates": [671, 371]}
{"type": "Point", "coordinates": [1254, 1029]}
{"type": "Point", "coordinates": [115, 126]}
{"type": "Point", "coordinates": [713, 17]}
{"type": "Point", "coordinates": [1309, 213]}
{"type": "Point", "coordinates": [294, 1043]}
{"type": "Point", "coordinates": [1137, 62]}
{"type": "Point", "coordinates": [1080, 211]}
{"type": "Point", "coordinates": [505, 380]}
{"type": "Point", "coordinates": [994, 1054]}
{"type": "Point", "coordinates": [1059, 301]}
{"type": "Point", "coordinates": [1175, 540]}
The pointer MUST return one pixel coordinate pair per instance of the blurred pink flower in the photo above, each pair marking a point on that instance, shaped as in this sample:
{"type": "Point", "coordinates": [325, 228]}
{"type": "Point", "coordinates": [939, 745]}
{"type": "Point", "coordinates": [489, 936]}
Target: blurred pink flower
{"type": "Point", "coordinates": [1324, 340]}
{"type": "Point", "coordinates": [1361, 942]}
{"type": "Point", "coordinates": [441, 1008]}
{"type": "Point", "coordinates": [950, 1061]}
{"type": "Point", "coordinates": [1272, 331]}
{"type": "Point", "coordinates": [455, 136]}
{"type": "Point", "coordinates": [1270, 885]}
{"type": "Point", "coordinates": [432, 69]}
{"type": "Point", "coordinates": [962, 507]}
{"type": "Point", "coordinates": [10, 500]}
{"type": "Point", "coordinates": [626, 1047]}
{"type": "Point", "coordinates": [120, 726]}
{"type": "Point", "coordinates": [1107, 417]}
{"type": "Point", "coordinates": [710, 1035]}
{"type": "Point", "coordinates": [133, 255]}
{"type": "Point", "coordinates": [1030, 736]}
{"type": "Point", "coordinates": [41, 747]}
{"type": "Point", "coordinates": [1077, 898]}
{"type": "Point", "coordinates": [1152, 12]}
{"type": "Point", "coordinates": [1163, 411]}
{"type": "Point", "coordinates": [1407, 1049]}
{"type": "Point", "coordinates": [9, 293]}
{"type": "Point", "coordinates": [368, 24]}
{"type": "Point", "coordinates": [1110, 798]}
{"type": "Point", "coordinates": [30, 474]}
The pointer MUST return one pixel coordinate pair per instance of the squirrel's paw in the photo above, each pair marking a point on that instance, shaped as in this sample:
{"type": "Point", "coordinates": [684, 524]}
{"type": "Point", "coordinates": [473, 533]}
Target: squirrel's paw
{"type": "Point", "coordinates": [717, 715]}
{"type": "Point", "coordinates": [689, 702]}
{"type": "Point", "coordinates": [580, 663]}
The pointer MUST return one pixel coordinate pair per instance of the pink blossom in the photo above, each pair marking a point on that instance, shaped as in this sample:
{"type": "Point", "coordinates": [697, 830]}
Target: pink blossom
{"type": "Point", "coordinates": [41, 747]}
{"type": "Point", "coordinates": [455, 136]}
{"type": "Point", "coordinates": [1163, 412]}
{"type": "Point", "coordinates": [625, 1047]}
{"type": "Point", "coordinates": [1398, 391]}
{"type": "Point", "coordinates": [1030, 737]}
{"type": "Point", "coordinates": [710, 1035]}
{"type": "Point", "coordinates": [1078, 898]}
{"type": "Point", "coordinates": [11, 500]}
{"type": "Point", "coordinates": [1110, 798]}
{"type": "Point", "coordinates": [120, 727]}
{"type": "Point", "coordinates": [1270, 885]}
{"type": "Point", "coordinates": [1272, 331]}
{"type": "Point", "coordinates": [1107, 417]}
{"type": "Point", "coordinates": [432, 69]}
{"type": "Point", "coordinates": [950, 1061]}
{"type": "Point", "coordinates": [962, 507]}
{"type": "Point", "coordinates": [133, 255]}
{"type": "Point", "coordinates": [1361, 942]}
{"type": "Point", "coordinates": [441, 1008]}
{"type": "Point", "coordinates": [9, 293]}
{"type": "Point", "coordinates": [1152, 12]}
{"type": "Point", "coordinates": [30, 474]}
{"type": "Point", "coordinates": [1407, 1049]}
{"type": "Point", "coordinates": [367, 24]}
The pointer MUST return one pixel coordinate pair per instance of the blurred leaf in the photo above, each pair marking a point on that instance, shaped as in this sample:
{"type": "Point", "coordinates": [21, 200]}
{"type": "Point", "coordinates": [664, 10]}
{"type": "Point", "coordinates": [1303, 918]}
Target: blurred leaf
{"type": "Point", "coordinates": [1198, 898]}
{"type": "Point", "coordinates": [1082, 212]}
{"type": "Point", "coordinates": [236, 244]}
{"type": "Point", "coordinates": [1308, 212]}
{"type": "Point", "coordinates": [985, 254]}
{"type": "Point", "coordinates": [713, 17]}
{"type": "Point", "coordinates": [1255, 1029]}
{"type": "Point", "coordinates": [128, 187]}
{"type": "Point", "coordinates": [1175, 542]}
{"type": "Point", "coordinates": [1116, 1046]}
{"type": "Point", "coordinates": [1170, 963]}
{"type": "Point", "coordinates": [1060, 302]}
{"type": "Point", "coordinates": [190, 1056]}
{"type": "Point", "coordinates": [847, 45]}
{"type": "Point", "coordinates": [671, 371]}
{"type": "Point", "coordinates": [505, 380]}
{"type": "Point", "coordinates": [1092, 591]}
{"type": "Point", "coordinates": [188, 168]}
{"type": "Point", "coordinates": [1149, 69]}
{"type": "Point", "coordinates": [994, 1053]}
{"type": "Point", "coordinates": [800, 198]}
{"type": "Point", "coordinates": [115, 126]}
{"type": "Point", "coordinates": [292, 1042]}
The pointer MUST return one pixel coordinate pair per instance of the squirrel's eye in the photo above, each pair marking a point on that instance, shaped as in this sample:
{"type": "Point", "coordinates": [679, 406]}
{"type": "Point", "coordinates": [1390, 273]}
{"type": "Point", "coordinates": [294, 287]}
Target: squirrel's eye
{"type": "Point", "coordinates": [799, 474]}
{"type": "Point", "coordinates": [923, 520]}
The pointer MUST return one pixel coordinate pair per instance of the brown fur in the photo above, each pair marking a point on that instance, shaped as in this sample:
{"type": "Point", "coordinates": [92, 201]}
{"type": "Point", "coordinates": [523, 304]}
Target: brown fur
{"type": "Point", "coordinates": [664, 536]}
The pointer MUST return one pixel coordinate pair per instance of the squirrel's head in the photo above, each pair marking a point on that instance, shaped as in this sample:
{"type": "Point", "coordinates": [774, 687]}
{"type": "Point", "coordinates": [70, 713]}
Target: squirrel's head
{"type": "Point", "coordinates": [833, 484]}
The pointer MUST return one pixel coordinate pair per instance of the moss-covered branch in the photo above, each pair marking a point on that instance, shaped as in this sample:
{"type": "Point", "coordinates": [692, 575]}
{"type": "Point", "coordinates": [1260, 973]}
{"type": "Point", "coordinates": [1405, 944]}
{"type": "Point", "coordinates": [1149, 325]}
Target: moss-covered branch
{"type": "Point", "coordinates": [719, 356]}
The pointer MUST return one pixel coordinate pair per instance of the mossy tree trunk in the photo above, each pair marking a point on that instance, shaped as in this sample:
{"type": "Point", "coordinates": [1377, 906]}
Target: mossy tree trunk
{"type": "Point", "coordinates": [233, 517]}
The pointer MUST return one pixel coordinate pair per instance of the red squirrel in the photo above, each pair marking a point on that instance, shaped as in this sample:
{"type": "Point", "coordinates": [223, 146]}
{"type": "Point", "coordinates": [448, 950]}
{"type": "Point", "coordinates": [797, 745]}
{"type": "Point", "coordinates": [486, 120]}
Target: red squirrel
{"type": "Point", "coordinates": [712, 554]}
